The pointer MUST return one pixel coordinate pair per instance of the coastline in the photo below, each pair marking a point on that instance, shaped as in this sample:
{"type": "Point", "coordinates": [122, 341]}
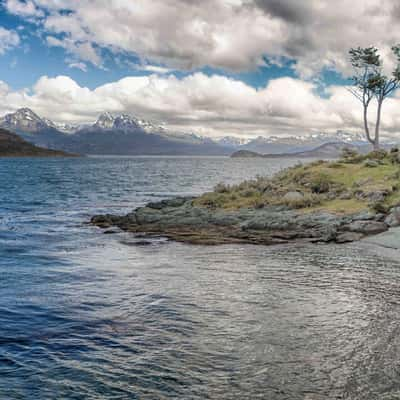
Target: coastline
{"type": "Point", "coordinates": [341, 201]}
{"type": "Point", "coordinates": [179, 219]}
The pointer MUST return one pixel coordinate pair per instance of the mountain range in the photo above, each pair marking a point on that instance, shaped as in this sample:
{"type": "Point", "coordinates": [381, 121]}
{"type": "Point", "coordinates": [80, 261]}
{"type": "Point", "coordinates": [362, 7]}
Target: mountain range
{"type": "Point", "coordinates": [127, 135]}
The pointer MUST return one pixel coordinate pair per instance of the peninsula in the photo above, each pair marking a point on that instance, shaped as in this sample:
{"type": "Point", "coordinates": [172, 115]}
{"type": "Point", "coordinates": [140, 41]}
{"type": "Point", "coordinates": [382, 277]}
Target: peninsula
{"type": "Point", "coordinates": [322, 201]}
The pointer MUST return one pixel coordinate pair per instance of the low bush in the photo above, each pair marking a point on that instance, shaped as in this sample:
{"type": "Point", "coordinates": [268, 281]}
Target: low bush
{"type": "Point", "coordinates": [308, 200]}
{"type": "Point", "coordinates": [221, 188]}
{"type": "Point", "coordinates": [320, 183]}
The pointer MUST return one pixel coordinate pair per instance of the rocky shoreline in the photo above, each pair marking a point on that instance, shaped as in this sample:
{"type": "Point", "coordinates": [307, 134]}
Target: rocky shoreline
{"type": "Point", "coordinates": [182, 220]}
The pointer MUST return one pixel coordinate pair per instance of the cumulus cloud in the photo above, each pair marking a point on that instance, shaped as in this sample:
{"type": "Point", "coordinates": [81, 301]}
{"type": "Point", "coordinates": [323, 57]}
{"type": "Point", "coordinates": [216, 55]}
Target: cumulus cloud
{"type": "Point", "coordinates": [8, 39]}
{"type": "Point", "coordinates": [23, 8]}
{"type": "Point", "coordinates": [211, 105]}
{"type": "Point", "coordinates": [228, 34]}
{"type": "Point", "coordinates": [82, 50]}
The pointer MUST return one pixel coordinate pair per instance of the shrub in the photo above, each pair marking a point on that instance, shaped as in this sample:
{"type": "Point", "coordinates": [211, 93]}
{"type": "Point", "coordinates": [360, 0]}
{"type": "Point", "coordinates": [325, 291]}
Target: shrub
{"type": "Point", "coordinates": [320, 183]}
{"type": "Point", "coordinates": [380, 207]}
{"type": "Point", "coordinates": [308, 200]}
{"type": "Point", "coordinates": [377, 154]}
{"type": "Point", "coordinates": [221, 188]}
{"type": "Point", "coordinates": [335, 165]}
{"type": "Point", "coordinates": [348, 153]}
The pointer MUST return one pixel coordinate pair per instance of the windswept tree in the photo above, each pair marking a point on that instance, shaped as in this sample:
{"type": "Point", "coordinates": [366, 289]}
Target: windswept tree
{"type": "Point", "coordinates": [370, 83]}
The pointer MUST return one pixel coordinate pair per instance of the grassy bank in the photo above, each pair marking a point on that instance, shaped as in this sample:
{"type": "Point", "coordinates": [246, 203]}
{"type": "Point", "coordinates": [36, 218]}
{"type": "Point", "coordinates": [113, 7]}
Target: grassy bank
{"type": "Point", "coordinates": [350, 184]}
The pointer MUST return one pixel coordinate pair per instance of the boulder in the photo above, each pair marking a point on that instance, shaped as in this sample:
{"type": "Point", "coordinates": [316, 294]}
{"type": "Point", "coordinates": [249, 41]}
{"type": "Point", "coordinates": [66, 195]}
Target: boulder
{"type": "Point", "coordinates": [371, 163]}
{"type": "Point", "coordinates": [393, 219]}
{"type": "Point", "coordinates": [367, 227]}
{"type": "Point", "coordinates": [293, 196]}
{"type": "Point", "coordinates": [376, 196]}
{"type": "Point", "coordinates": [346, 196]}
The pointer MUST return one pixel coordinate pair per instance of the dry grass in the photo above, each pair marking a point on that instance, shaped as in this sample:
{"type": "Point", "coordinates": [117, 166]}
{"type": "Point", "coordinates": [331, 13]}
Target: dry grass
{"type": "Point", "coordinates": [322, 183]}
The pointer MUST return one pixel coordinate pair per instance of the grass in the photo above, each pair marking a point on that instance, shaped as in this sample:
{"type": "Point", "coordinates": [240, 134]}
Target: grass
{"type": "Point", "coordinates": [340, 186]}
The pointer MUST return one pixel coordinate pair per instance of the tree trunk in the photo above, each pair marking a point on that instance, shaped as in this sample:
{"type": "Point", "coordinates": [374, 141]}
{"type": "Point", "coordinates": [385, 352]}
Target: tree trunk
{"type": "Point", "coordinates": [366, 124]}
{"type": "Point", "coordinates": [378, 123]}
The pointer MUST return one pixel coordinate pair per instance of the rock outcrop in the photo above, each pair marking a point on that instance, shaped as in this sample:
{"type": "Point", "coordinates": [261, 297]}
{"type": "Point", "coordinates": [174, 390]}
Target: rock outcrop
{"type": "Point", "coordinates": [181, 220]}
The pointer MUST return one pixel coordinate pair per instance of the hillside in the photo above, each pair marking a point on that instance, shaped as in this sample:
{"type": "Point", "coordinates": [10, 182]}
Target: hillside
{"type": "Point", "coordinates": [327, 150]}
{"type": "Point", "coordinates": [11, 145]}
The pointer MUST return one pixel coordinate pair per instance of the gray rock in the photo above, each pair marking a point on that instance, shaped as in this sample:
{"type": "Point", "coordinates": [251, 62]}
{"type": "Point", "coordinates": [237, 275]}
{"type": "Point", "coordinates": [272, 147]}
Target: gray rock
{"type": "Point", "coordinates": [346, 196]}
{"type": "Point", "coordinates": [346, 237]}
{"type": "Point", "coordinates": [363, 216]}
{"type": "Point", "coordinates": [393, 219]}
{"type": "Point", "coordinates": [174, 202]}
{"type": "Point", "coordinates": [376, 196]}
{"type": "Point", "coordinates": [362, 182]}
{"type": "Point", "coordinates": [293, 196]}
{"type": "Point", "coordinates": [367, 227]}
{"type": "Point", "coordinates": [371, 163]}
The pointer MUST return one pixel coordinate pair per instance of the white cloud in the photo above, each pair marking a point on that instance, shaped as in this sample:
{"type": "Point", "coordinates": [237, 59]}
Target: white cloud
{"type": "Point", "coordinates": [8, 40]}
{"type": "Point", "coordinates": [228, 34]}
{"type": "Point", "coordinates": [82, 50]}
{"type": "Point", "coordinates": [23, 8]}
{"type": "Point", "coordinates": [213, 105]}
{"type": "Point", "coordinates": [154, 68]}
{"type": "Point", "coordinates": [79, 65]}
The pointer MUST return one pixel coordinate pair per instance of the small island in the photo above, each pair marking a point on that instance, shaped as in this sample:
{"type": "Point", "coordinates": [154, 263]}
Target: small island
{"type": "Point", "coordinates": [322, 201]}
{"type": "Point", "coordinates": [11, 145]}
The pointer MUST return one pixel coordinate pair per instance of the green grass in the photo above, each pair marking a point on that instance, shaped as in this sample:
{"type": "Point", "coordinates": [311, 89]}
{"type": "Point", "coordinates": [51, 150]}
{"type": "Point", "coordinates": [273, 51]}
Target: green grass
{"type": "Point", "coordinates": [322, 184]}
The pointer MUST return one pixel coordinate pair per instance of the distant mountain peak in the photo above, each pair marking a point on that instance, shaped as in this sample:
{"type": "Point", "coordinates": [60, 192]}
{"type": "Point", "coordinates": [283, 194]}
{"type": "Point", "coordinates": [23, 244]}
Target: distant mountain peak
{"type": "Point", "coordinates": [24, 119]}
{"type": "Point", "coordinates": [104, 121]}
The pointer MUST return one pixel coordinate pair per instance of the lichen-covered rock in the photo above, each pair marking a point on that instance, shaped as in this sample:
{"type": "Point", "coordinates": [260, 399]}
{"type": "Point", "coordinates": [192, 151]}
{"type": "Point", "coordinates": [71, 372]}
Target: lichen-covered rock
{"type": "Point", "coordinates": [393, 219]}
{"type": "Point", "coordinates": [183, 220]}
{"type": "Point", "coordinates": [367, 227]}
{"type": "Point", "coordinates": [293, 196]}
{"type": "Point", "coordinates": [346, 237]}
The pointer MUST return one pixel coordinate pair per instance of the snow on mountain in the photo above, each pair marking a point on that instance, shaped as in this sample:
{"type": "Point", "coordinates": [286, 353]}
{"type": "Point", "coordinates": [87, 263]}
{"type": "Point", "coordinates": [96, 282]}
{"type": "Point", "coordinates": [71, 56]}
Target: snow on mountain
{"type": "Point", "coordinates": [232, 141]}
{"type": "Point", "coordinates": [24, 120]}
{"type": "Point", "coordinates": [65, 128]}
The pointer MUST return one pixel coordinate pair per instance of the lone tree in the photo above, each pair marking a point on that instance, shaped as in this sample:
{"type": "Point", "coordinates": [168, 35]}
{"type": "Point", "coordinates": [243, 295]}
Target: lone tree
{"type": "Point", "coordinates": [369, 83]}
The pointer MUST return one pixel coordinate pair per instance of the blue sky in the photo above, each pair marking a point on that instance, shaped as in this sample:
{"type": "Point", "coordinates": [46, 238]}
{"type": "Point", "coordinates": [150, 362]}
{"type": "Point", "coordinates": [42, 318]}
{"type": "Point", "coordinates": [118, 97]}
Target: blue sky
{"type": "Point", "coordinates": [218, 66]}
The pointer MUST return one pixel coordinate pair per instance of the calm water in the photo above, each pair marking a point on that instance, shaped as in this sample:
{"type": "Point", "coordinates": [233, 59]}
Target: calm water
{"type": "Point", "coordinates": [85, 315]}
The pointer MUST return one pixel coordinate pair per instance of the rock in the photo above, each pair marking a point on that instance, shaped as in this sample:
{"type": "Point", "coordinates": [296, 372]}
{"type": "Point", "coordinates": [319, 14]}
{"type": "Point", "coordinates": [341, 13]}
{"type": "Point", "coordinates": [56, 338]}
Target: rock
{"type": "Point", "coordinates": [183, 221]}
{"type": "Point", "coordinates": [346, 196]}
{"type": "Point", "coordinates": [362, 182]}
{"type": "Point", "coordinates": [371, 163]}
{"type": "Point", "coordinates": [346, 237]}
{"type": "Point", "coordinates": [393, 219]}
{"type": "Point", "coordinates": [363, 216]}
{"type": "Point", "coordinates": [367, 227]}
{"type": "Point", "coordinates": [376, 196]}
{"type": "Point", "coordinates": [103, 221]}
{"type": "Point", "coordinates": [293, 196]}
{"type": "Point", "coordinates": [174, 202]}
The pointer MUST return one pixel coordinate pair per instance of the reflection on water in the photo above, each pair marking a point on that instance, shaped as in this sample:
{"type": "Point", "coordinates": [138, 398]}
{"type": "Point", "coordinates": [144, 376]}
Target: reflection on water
{"type": "Point", "coordinates": [86, 315]}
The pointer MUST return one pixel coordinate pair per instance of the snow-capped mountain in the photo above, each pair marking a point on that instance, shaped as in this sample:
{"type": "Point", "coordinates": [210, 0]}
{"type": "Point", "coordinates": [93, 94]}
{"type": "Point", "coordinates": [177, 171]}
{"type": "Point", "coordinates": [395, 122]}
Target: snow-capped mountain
{"type": "Point", "coordinates": [232, 141]}
{"type": "Point", "coordinates": [65, 128]}
{"type": "Point", "coordinates": [126, 134]}
{"type": "Point", "coordinates": [23, 120]}
{"type": "Point", "coordinates": [109, 134]}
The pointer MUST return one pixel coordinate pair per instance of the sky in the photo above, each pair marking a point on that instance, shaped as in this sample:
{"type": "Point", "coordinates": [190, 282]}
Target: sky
{"type": "Point", "coordinates": [213, 67]}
